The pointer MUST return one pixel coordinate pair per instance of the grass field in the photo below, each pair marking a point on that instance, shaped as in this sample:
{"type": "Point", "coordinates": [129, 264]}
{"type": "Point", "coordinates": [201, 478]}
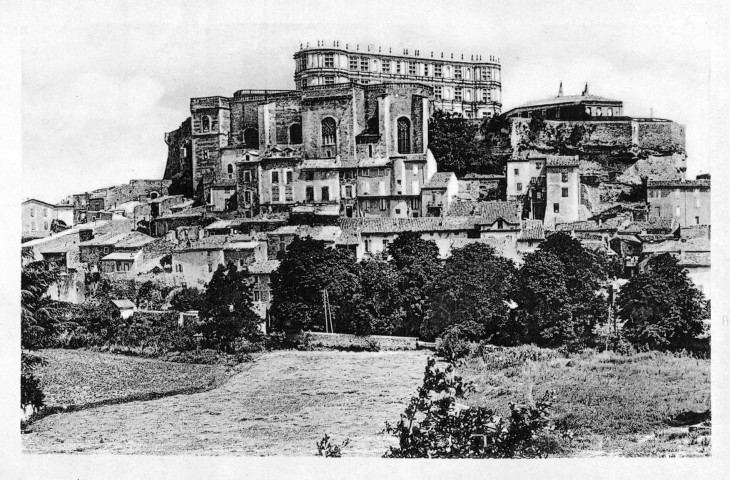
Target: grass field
{"type": "Point", "coordinates": [79, 378]}
{"type": "Point", "coordinates": [283, 402]}
{"type": "Point", "coordinates": [614, 404]}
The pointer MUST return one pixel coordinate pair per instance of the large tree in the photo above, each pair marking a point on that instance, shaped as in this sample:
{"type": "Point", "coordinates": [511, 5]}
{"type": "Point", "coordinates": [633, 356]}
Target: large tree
{"type": "Point", "coordinates": [661, 307]}
{"type": "Point", "coordinates": [310, 267]}
{"type": "Point", "coordinates": [472, 293]}
{"type": "Point", "coordinates": [379, 303]}
{"type": "Point", "coordinates": [417, 263]}
{"type": "Point", "coordinates": [226, 310]}
{"type": "Point", "coordinates": [544, 313]}
{"type": "Point", "coordinates": [38, 313]}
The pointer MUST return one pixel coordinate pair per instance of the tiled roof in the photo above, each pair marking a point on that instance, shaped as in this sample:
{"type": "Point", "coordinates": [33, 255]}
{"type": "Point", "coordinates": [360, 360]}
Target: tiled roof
{"type": "Point", "coordinates": [562, 161]}
{"type": "Point", "coordinates": [580, 226]}
{"type": "Point", "coordinates": [666, 225]}
{"type": "Point", "coordinates": [440, 180]}
{"type": "Point", "coordinates": [420, 224]}
{"type": "Point", "coordinates": [123, 303]}
{"type": "Point", "coordinates": [134, 240]}
{"type": "Point", "coordinates": [220, 224]}
{"type": "Point", "coordinates": [318, 164]}
{"type": "Point", "coordinates": [107, 239]}
{"type": "Point", "coordinates": [240, 245]}
{"type": "Point", "coordinates": [510, 211]}
{"type": "Point", "coordinates": [374, 162]}
{"type": "Point", "coordinates": [567, 100]}
{"type": "Point", "coordinates": [688, 245]}
{"type": "Point", "coordinates": [532, 230]}
{"type": "Point", "coordinates": [191, 212]}
{"type": "Point", "coordinates": [498, 244]}
{"type": "Point", "coordinates": [482, 176]}
{"type": "Point", "coordinates": [225, 183]}
{"type": "Point", "coordinates": [677, 183]}
{"type": "Point", "coordinates": [120, 256]}
{"type": "Point", "coordinates": [327, 233]}
{"type": "Point", "coordinates": [267, 266]}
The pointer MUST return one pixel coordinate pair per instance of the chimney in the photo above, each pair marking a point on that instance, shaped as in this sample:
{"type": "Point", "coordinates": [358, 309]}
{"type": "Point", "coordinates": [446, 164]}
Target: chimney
{"type": "Point", "coordinates": [585, 90]}
{"type": "Point", "coordinates": [560, 90]}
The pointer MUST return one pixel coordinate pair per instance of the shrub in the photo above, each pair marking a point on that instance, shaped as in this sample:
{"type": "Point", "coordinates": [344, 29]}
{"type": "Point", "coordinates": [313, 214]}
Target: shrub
{"type": "Point", "coordinates": [325, 447]}
{"type": "Point", "coordinates": [448, 429]}
{"type": "Point", "coordinates": [453, 346]}
{"type": "Point", "coordinates": [30, 390]}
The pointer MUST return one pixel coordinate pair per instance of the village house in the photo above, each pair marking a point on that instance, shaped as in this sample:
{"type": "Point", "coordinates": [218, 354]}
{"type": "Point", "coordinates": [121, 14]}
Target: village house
{"type": "Point", "coordinates": [497, 219]}
{"type": "Point", "coordinates": [38, 217]}
{"type": "Point", "coordinates": [171, 221]}
{"type": "Point", "coordinates": [279, 239]}
{"type": "Point", "coordinates": [531, 235]}
{"type": "Point", "coordinates": [480, 186]}
{"type": "Point", "coordinates": [260, 273]}
{"type": "Point", "coordinates": [687, 202]}
{"type": "Point", "coordinates": [438, 193]}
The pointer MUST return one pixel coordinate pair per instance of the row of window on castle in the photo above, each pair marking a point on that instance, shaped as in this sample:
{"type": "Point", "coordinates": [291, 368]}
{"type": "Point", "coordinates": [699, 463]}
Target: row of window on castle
{"type": "Point", "coordinates": [437, 70]}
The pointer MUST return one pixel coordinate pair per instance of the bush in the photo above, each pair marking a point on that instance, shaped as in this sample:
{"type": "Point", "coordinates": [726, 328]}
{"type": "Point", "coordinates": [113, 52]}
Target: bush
{"type": "Point", "coordinates": [434, 425]}
{"type": "Point", "coordinates": [453, 346]}
{"type": "Point", "coordinates": [325, 447]}
{"type": "Point", "coordinates": [30, 390]}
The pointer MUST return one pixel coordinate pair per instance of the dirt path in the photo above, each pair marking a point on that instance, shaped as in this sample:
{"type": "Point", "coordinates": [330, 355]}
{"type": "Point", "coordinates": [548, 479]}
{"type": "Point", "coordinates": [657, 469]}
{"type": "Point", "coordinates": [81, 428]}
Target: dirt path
{"type": "Point", "coordinates": [282, 405]}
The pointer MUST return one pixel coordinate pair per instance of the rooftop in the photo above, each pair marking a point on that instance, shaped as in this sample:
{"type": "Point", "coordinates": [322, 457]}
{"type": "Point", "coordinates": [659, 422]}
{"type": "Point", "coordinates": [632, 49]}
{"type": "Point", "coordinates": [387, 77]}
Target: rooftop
{"type": "Point", "coordinates": [568, 100]}
{"type": "Point", "coordinates": [562, 161]}
{"type": "Point", "coordinates": [420, 224]}
{"type": "Point", "coordinates": [440, 180]}
{"type": "Point", "coordinates": [532, 230]}
{"type": "Point", "coordinates": [189, 213]}
{"type": "Point", "coordinates": [510, 211]}
{"type": "Point", "coordinates": [120, 256]}
{"type": "Point", "coordinates": [678, 183]}
{"type": "Point", "coordinates": [123, 303]}
{"type": "Point", "coordinates": [267, 266]}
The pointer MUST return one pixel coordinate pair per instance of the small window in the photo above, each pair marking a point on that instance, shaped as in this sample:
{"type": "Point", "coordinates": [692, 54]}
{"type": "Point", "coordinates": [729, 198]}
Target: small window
{"type": "Point", "coordinates": [437, 70]}
{"type": "Point", "coordinates": [385, 243]}
{"type": "Point", "coordinates": [438, 92]}
{"type": "Point", "coordinates": [274, 177]}
{"type": "Point", "coordinates": [329, 60]}
{"type": "Point", "coordinates": [32, 226]}
{"type": "Point", "coordinates": [230, 168]}
{"type": "Point", "coordinates": [565, 193]}
{"type": "Point", "coordinates": [247, 196]}
{"type": "Point", "coordinates": [457, 73]}
{"type": "Point", "coordinates": [329, 131]}
{"type": "Point", "coordinates": [206, 123]}
{"type": "Point", "coordinates": [517, 172]}
{"type": "Point", "coordinates": [457, 93]}
{"type": "Point", "coordinates": [411, 68]}
{"type": "Point", "coordinates": [247, 176]}
{"type": "Point", "coordinates": [354, 62]}
{"type": "Point", "coordinates": [556, 207]}
{"type": "Point", "coordinates": [697, 220]}
{"type": "Point", "coordinates": [538, 165]}
{"type": "Point", "coordinates": [348, 191]}
{"type": "Point", "coordinates": [538, 195]}
{"type": "Point", "coordinates": [45, 210]}
{"type": "Point", "coordinates": [256, 296]}
{"type": "Point", "coordinates": [325, 194]}
{"type": "Point", "coordinates": [364, 64]}
{"type": "Point", "coordinates": [519, 187]}
{"type": "Point", "coordinates": [329, 80]}
{"type": "Point", "coordinates": [367, 244]}
{"type": "Point", "coordinates": [45, 225]}
{"type": "Point", "coordinates": [397, 211]}
{"type": "Point", "coordinates": [382, 204]}
{"type": "Point", "coordinates": [32, 212]}
{"type": "Point", "coordinates": [564, 177]}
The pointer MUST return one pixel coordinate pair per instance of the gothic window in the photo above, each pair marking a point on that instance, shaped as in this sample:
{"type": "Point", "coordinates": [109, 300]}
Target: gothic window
{"type": "Point", "coordinates": [251, 137]}
{"type": "Point", "coordinates": [206, 123]}
{"type": "Point", "coordinates": [404, 135]}
{"type": "Point", "coordinates": [295, 134]}
{"type": "Point", "coordinates": [329, 131]}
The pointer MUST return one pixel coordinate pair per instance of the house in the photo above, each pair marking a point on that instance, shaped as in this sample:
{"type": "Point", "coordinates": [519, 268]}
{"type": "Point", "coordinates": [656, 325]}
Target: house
{"type": "Point", "coordinates": [687, 202]}
{"type": "Point", "coordinates": [438, 193]}
{"type": "Point", "coordinates": [194, 262]}
{"type": "Point", "coordinates": [38, 217]}
{"type": "Point", "coordinates": [531, 235]}
{"type": "Point", "coordinates": [481, 186]}
{"type": "Point", "coordinates": [125, 307]}
{"type": "Point", "coordinates": [184, 218]}
{"type": "Point", "coordinates": [496, 218]}
{"type": "Point", "coordinates": [692, 253]}
{"type": "Point", "coordinates": [279, 239]}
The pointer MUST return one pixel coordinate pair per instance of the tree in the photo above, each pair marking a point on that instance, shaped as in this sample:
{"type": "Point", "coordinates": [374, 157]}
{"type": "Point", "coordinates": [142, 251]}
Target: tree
{"type": "Point", "coordinates": [308, 268]}
{"type": "Point", "coordinates": [417, 264]}
{"type": "Point", "coordinates": [435, 425]}
{"type": "Point", "coordinates": [380, 309]}
{"type": "Point", "coordinates": [226, 311]}
{"type": "Point", "coordinates": [544, 312]}
{"type": "Point", "coordinates": [537, 125]}
{"type": "Point", "coordinates": [39, 322]}
{"type": "Point", "coordinates": [187, 298]}
{"type": "Point", "coordinates": [661, 307]}
{"type": "Point", "coordinates": [472, 292]}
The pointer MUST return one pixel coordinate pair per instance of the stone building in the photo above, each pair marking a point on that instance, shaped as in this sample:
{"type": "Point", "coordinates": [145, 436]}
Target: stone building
{"type": "Point", "coordinates": [569, 107]}
{"type": "Point", "coordinates": [38, 217]}
{"type": "Point", "coordinates": [470, 86]}
{"type": "Point", "coordinates": [686, 202]}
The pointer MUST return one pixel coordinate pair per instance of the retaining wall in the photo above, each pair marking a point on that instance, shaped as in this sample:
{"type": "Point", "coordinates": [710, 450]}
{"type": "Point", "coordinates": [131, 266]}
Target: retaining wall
{"type": "Point", "coordinates": [345, 340]}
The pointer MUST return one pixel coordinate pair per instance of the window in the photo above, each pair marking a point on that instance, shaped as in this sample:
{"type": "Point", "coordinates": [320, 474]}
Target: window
{"type": "Point", "coordinates": [411, 68]}
{"type": "Point", "coordinates": [564, 177]}
{"type": "Point", "coordinates": [45, 210]}
{"type": "Point", "coordinates": [697, 220]}
{"type": "Point", "coordinates": [385, 243]}
{"type": "Point", "coordinates": [288, 175]}
{"type": "Point", "coordinates": [256, 296]}
{"type": "Point", "coordinates": [325, 194]}
{"type": "Point", "coordinates": [251, 137]}
{"type": "Point", "coordinates": [329, 131]}
{"type": "Point", "coordinates": [538, 195]}
{"type": "Point", "coordinates": [382, 204]}
{"type": "Point", "coordinates": [538, 165]}
{"type": "Point", "coordinates": [295, 134]}
{"type": "Point", "coordinates": [457, 73]}
{"type": "Point", "coordinates": [565, 193]}
{"type": "Point", "coordinates": [367, 244]}
{"type": "Point", "coordinates": [45, 224]}
{"type": "Point", "coordinates": [365, 172]}
{"type": "Point", "coordinates": [308, 176]}
{"type": "Point", "coordinates": [329, 60]}
{"type": "Point", "coordinates": [353, 63]}
{"type": "Point", "coordinates": [438, 92]}
{"type": "Point", "coordinates": [179, 267]}
{"type": "Point", "coordinates": [363, 64]}
{"type": "Point", "coordinates": [609, 112]}
{"type": "Point", "coordinates": [304, 83]}
{"type": "Point", "coordinates": [348, 191]}
{"type": "Point", "coordinates": [437, 70]}
{"type": "Point", "coordinates": [517, 172]}
{"type": "Point", "coordinates": [386, 66]}
{"type": "Point", "coordinates": [404, 135]}
{"type": "Point", "coordinates": [230, 170]}
{"type": "Point", "coordinates": [519, 187]}
{"type": "Point", "coordinates": [370, 151]}
{"type": "Point", "coordinates": [310, 194]}
{"type": "Point", "coordinates": [32, 226]}
{"type": "Point", "coordinates": [206, 123]}
{"type": "Point", "coordinates": [397, 211]}
{"type": "Point", "coordinates": [32, 212]}
{"type": "Point", "coordinates": [599, 111]}
{"type": "Point", "coordinates": [415, 169]}
{"type": "Point", "coordinates": [247, 176]}
{"type": "Point", "coordinates": [556, 207]}
{"type": "Point", "coordinates": [210, 267]}
{"type": "Point", "coordinates": [274, 177]}
{"type": "Point", "coordinates": [329, 80]}
{"type": "Point", "coordinates": [457, 94]}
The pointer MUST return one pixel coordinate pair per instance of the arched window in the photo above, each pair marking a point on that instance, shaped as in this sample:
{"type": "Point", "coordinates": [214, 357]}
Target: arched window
{"type": "Point", "coordinates": [206, 123]}
{"type": "Point", "coordinates": [295, 134]}
{"type": "Point", "coordinates": [230, 168]}
{"type": "Point", "coordinates": [404, 135]}
{"type": "Point", "coordinates": [251, 137]}
{"type": "Point", "coordinates": [154, 195]}
{"type": "Point", "coordinates": [329, 131]}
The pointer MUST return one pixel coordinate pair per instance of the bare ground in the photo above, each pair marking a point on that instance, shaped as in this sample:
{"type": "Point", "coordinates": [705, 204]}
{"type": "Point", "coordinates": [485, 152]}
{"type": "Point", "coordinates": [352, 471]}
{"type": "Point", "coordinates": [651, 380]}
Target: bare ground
{"type": "Point", "coordinates": [280, 404]}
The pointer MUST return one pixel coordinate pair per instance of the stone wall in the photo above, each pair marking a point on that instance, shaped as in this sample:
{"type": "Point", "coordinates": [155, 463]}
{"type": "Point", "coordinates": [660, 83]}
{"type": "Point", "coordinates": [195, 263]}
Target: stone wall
{"type": "Point", "coordinates": [662, 137]}
{"type": "Point", "coordinates": [345, 340]}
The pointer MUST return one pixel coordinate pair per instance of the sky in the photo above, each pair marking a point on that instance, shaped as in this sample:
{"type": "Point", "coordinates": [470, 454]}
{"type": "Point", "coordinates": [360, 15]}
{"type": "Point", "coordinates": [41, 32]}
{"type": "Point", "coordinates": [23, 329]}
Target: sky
{"type": "Point", "coordinates": [101, 84]}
